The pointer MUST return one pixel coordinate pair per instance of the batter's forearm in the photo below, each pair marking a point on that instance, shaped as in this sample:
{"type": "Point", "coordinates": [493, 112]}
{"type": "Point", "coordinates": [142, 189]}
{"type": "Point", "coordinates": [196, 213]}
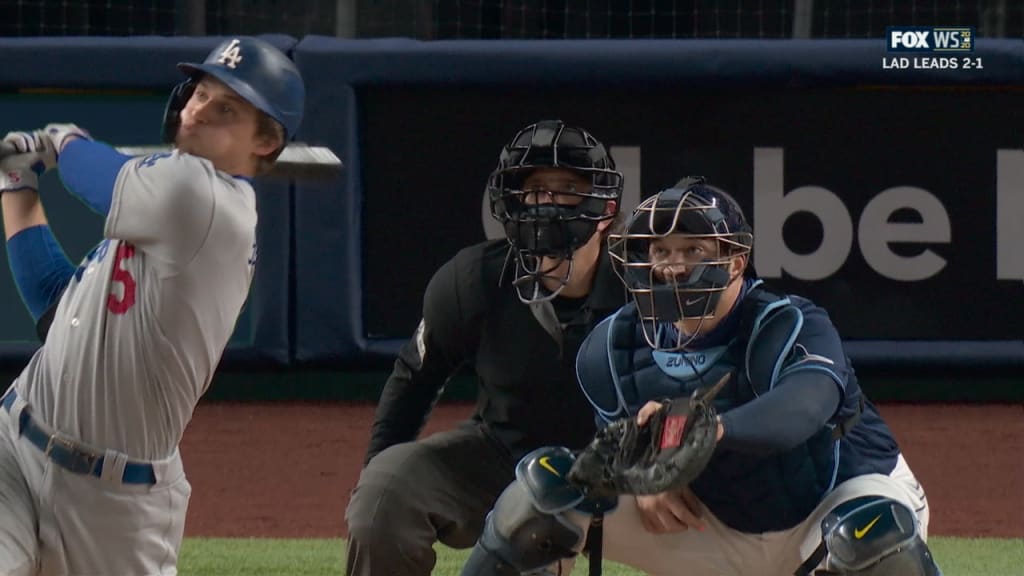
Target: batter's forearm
{"type": "Point", "coordinates": [22, 209]}
{"type": "Point", "coordinates": [40, 269]}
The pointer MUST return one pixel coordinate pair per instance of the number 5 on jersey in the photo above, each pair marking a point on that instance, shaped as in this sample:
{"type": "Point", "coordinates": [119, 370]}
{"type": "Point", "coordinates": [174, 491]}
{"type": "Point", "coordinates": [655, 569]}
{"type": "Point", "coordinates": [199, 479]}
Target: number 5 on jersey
{"type": "Point", "coordinates": [120, 305]}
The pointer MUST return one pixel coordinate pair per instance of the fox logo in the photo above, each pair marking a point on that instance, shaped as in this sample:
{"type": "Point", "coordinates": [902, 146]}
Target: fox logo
{"type": "Point", "coordinates": [930, 39]}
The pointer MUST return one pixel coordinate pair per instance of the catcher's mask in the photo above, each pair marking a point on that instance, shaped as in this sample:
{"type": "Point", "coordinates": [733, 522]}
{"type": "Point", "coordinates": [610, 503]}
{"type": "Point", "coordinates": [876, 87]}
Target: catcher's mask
{"type": "Point", "coordinates": [551, 223]}
{"type": "Point", "coordinates": [663, 258]}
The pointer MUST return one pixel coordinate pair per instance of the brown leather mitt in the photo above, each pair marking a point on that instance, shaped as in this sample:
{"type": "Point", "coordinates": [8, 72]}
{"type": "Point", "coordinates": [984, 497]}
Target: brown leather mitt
{"type": "Point", "coordinates": [667, 453]}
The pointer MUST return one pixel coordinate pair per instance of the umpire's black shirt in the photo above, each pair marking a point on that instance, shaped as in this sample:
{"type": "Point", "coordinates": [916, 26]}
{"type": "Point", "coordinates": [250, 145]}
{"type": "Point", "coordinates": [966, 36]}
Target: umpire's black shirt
{"type": "Point", "coordinates": [524, 355]}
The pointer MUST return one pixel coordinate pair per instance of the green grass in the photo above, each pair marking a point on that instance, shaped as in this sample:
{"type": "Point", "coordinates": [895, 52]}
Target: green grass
{"type": "Point", "coordinates": [256, 557]}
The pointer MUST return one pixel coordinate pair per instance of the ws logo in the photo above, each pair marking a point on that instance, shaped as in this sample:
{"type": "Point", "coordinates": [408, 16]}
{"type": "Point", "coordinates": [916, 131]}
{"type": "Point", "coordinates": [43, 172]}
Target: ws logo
{"type": "Point", "coordinates": [930, 38]}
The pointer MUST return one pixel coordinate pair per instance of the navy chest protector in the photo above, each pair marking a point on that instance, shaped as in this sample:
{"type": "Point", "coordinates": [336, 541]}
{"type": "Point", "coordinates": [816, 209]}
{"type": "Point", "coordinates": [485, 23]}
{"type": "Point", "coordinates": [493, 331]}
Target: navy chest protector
{"type": "Point", "coordinates": [769, 325]}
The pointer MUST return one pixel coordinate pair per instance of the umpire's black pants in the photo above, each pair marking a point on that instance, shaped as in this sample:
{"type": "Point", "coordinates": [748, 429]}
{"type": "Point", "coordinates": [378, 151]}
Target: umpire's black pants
{"type": "Point", "coordinates": [418, 493]}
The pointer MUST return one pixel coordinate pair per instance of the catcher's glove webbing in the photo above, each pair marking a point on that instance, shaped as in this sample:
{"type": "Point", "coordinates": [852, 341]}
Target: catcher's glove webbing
{"type": "Point", "coordinates": [667, 453]}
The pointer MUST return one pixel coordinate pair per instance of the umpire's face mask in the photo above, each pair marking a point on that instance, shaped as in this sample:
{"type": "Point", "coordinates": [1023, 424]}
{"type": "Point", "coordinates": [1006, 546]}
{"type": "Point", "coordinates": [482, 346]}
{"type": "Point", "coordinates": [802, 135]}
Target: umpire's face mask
{"type": "Point", "coordinates": [547, 217]}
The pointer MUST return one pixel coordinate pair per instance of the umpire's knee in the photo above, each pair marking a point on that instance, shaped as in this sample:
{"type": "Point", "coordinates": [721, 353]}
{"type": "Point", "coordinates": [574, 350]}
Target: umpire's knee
{"type": "Point", "coordinates": [385, 506]}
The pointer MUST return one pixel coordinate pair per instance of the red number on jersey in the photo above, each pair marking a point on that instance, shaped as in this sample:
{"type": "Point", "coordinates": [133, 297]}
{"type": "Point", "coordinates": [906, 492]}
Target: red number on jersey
{"type": "Point", "coordinates": [127, 300]}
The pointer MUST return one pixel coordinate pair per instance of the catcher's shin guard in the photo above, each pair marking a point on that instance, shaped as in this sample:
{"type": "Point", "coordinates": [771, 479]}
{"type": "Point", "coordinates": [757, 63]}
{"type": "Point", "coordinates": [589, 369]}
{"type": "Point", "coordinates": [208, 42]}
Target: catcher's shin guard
{"type": "Point", "coordinates": [871, 536]}
{"type": "Point", "coordinates": [495, 555]}
{"type": "Point", "coordinates": [528, 529]}
{"type": "Point", "coordinates": [519, 538]}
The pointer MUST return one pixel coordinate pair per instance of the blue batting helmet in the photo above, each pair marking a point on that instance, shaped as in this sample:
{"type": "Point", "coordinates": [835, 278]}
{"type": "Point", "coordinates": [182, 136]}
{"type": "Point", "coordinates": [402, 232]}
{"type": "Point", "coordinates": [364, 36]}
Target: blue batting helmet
{"type": "Point", "coordinates": [260, 73]}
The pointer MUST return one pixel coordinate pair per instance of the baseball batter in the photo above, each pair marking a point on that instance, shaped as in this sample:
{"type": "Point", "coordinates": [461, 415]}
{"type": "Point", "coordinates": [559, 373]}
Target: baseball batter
{"type": "Point", "coordinates": [806, 476]}
{"type": "Point", "coordinates": [91, 481]}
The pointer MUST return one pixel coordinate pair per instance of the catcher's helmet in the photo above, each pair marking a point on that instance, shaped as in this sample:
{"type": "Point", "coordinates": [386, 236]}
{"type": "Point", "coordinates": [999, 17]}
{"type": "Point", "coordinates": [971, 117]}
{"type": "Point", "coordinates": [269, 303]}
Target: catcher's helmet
{"type": "Point", "coordinates": [555, 229]}
{"type": "Point", "coordinates": [260, 73]}
{"type": "Point", "coordinates": [667, 289]}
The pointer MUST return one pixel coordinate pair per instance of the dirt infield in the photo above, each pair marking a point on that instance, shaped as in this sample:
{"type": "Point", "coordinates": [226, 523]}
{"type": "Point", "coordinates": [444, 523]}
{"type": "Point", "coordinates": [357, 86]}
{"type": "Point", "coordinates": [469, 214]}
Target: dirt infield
{"type": "Point", "coordinates": [285, 469]}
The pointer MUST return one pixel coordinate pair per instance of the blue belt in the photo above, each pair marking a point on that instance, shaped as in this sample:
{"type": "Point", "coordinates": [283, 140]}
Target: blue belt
{"type": "Point", "coordinates": [69, 455]}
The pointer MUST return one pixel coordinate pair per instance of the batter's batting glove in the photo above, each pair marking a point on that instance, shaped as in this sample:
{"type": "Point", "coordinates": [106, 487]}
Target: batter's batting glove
{"type": "Point", "coordinates": [60, 134]}
{"type": "Point", "coordinates": [37, 142]}
{"type": "Point", "coordinates": [24, 156]}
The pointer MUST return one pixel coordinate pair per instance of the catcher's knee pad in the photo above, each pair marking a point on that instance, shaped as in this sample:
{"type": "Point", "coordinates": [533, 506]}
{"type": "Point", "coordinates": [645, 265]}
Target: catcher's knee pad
{"type": "Point", "coordinates": [875, 536]}
{"type": "Point", "coordinates": [528, 529]}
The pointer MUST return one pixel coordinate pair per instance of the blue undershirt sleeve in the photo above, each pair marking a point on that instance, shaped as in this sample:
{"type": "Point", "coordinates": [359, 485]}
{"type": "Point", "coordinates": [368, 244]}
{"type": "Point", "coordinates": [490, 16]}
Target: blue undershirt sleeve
{"type": "Point", "coordinates": [794, 410]}
{"type": "Point", "coordinates": [89, 170]}
{"type": "Point", "coordinates": [40, 269]}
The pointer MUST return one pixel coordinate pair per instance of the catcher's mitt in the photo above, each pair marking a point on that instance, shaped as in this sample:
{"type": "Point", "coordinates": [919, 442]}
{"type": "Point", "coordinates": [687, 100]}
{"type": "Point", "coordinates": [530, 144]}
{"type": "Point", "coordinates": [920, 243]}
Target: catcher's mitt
{"type": "Point", "coordinates": [668, 452]}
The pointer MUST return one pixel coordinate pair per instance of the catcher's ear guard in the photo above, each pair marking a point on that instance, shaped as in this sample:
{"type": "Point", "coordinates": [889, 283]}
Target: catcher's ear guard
{"type": "Point", "coordinates": [172, 113]}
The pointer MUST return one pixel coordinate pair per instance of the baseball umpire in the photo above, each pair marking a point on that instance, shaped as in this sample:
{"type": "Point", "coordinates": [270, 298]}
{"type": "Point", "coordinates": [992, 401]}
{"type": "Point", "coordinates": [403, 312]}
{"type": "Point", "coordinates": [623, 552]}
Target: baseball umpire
{"type": "Point", "coordinates": [803, 474]}
{"type": "Point", "coordinates": [91, 481]}
{"type": "Point", "coordinates": [514, 310]}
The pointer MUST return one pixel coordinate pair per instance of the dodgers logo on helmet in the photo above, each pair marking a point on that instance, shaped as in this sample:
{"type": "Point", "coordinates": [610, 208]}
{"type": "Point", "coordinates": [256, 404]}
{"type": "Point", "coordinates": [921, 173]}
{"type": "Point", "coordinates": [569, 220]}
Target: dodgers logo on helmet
{"type": "Point", "coordinates": [261, 74]}
{"type": "Point", "coordinates": [231, 55]}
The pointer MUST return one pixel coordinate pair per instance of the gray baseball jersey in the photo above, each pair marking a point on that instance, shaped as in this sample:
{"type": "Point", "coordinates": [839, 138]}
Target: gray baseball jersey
{"type": "Point", "coordinates": [143, 323]}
